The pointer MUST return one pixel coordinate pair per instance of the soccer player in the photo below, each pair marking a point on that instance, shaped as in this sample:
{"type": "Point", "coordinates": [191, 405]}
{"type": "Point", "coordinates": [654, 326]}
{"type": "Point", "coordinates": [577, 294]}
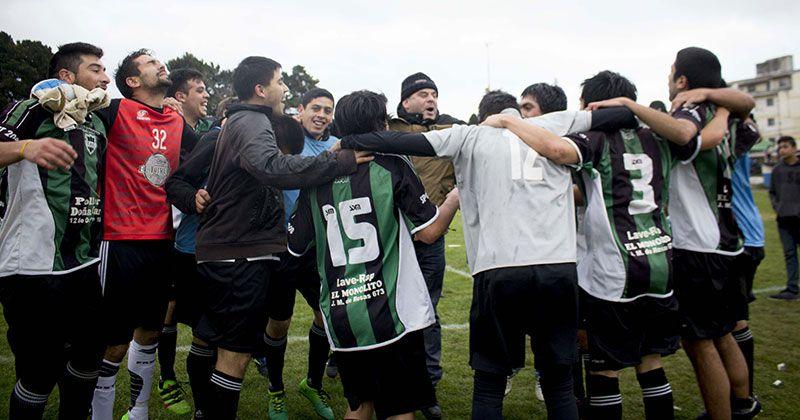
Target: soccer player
{"type": "Point", "coordinates": [373, 295]}
{"type": "Point", "coordinates": [519, 229]}
{"type": "Point", "coordinates": [748, 218]}
{"type": "Point", "coordinates": [49, 242]}
{"type": "Point", "coordinates": [418, 112]}
{"type": "Point", "coordinates": [145, 144]}
{"type": "Point", "coordinates": [706, 239]}
{"type": "Point", "coordinates": [300, 274]}
{"type": "Point", "coordinates": [189, 89]}
{"type": "Point", "coordinates": [541, 98]}
{"type": "Point", "coordinates": [630, 310]}
{"type": "Point", "coordinates": [243, 226]}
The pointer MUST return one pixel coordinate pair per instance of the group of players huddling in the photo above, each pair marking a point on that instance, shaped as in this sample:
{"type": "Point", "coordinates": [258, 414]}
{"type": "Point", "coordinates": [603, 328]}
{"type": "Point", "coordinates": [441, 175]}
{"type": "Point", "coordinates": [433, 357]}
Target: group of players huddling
{"type": "Point", "coordinates": [123, 217]}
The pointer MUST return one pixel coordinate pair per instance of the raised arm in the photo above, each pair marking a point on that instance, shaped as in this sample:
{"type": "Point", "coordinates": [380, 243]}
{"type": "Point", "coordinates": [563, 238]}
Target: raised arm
{"type": "Point", "coordinates": [715, 131]}
{"type": "Point", "coordinates": [739, 103]}
{"type": "Point", "coordinates": [413, 144]}
{"type": "Point", "coordinates": [547, 144]}
{"type": "Point", "coordinates": [675, 130]}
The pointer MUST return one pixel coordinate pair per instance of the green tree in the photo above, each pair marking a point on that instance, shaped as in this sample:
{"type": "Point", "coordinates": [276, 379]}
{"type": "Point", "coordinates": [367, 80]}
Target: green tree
{"type": "Point", "coordinates": [22, 64]}
{"type": "Point", "coordinates": [219, 83]}
{"type": "Point", "coordinates": [473, 120]}
{"type": "Point", "coordinates": [299, 82]}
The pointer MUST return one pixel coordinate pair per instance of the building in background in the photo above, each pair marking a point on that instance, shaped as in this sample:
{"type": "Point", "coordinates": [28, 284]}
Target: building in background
{"type": "Point", "coordinates": [776, 89]}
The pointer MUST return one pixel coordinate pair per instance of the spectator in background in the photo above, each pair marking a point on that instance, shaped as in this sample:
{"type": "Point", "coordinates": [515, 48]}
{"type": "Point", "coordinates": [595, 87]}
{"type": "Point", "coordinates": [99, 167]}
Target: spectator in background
{"type": "Point", "coordinates": [784, 192]}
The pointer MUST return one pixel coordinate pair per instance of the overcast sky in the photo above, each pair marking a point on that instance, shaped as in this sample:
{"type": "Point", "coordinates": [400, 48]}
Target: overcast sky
{"type": "Point", "coordinates": [350, 45]}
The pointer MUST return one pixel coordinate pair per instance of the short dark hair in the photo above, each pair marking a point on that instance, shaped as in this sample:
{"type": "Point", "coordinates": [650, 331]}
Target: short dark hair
{"type": "Point", "coordinates": [69, 55]}
{"type": "Point", "coordinates": [360, 112]}
{"type": "Point", "coordinates": [607, 85]}
{"type": "Point", "coordinates": [658, 105]}
{"type": "Point", "coordinates": [127, 68]}
{"type": "Point", "coordinates": [550, 98]}
{"type": "Point", "coordinates": [288, 134]}
{"type": "Point", "coordinates": [700, 66]}
{"type": "Point", "coordinates": [250, 72]}
{"type": "Point", "coordinates": [787, 139]}
{"type": "Point", "coordinates": [180, 80]}
{"type": "Point", "coordinates": [314, 94]}
{"type": "Point", "coordinates": [495, 102]}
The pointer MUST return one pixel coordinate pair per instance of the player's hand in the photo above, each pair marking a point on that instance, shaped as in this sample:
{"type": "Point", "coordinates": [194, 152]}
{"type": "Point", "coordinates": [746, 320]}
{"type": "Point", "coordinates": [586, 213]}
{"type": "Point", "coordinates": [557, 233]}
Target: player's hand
{"type": "Point", "coordinates": [173, 103]}
{"type": "Point", "coordinates": [363, 157]}
{"type": "Point", "coordinates": [336, 146]}
{"type": "Point", "coordinates": [49, 153]}
{"type": "Point", "coordinates": [690, 97]}
{"type": "Point", "coordinates": [201, 200]}
{"type": "Point", "coordinates": [453, 196]}
{"type": "Point", "coordinates": [496, 121]}
{"type": "Point", "coordinates": [608, 103]}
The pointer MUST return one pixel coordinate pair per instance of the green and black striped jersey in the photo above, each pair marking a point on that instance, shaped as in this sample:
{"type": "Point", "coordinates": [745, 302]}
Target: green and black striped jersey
{"type": "Point", "coordinates": [626, 177]}
{"type": "Point", "coordinates": [51, 220]}
{"type": "Point", "coordinates": [361, 226]}
{"type": "Point", "coordinates": [701, 193]}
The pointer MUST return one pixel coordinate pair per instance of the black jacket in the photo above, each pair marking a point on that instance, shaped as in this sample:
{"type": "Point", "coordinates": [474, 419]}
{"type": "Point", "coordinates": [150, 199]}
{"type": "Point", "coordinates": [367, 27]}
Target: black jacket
{"type": "Point", "coordinates": [245, 217]}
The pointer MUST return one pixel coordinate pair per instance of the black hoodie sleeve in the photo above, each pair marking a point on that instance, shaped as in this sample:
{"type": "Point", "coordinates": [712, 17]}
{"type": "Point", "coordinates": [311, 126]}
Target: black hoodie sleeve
{"type": "Point", "coordinates": [613, 119]}
{"type": "Point", "coordinates": [414, 144]}
{"type": "Point", "coordinates": [182, 186]}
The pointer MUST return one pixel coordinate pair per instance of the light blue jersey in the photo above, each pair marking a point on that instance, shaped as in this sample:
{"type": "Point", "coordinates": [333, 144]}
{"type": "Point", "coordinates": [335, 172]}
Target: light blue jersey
{"type": "Point", "coordinates": [312, 147]}
{"type": "Point", "coordinates": [744, 207]}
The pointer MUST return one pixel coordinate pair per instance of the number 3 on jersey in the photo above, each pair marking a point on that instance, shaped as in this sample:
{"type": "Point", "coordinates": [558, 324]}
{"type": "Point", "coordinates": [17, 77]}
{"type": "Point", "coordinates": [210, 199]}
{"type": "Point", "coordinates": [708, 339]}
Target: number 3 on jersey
{"type": "Point", "coordinates": [643, 198]}
{"type": "Point", "coordinates": [158, 139]}
{"type": "Point", "coordinates": [348, 210]}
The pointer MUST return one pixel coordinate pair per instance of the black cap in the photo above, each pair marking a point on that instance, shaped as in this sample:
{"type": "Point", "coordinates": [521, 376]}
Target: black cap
{"type": "Point", "coordinates": [415, 82]}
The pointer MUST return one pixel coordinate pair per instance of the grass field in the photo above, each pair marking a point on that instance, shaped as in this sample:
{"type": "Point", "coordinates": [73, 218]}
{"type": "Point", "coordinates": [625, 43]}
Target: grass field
{"type": "Point", "coordinates": [775, 324]}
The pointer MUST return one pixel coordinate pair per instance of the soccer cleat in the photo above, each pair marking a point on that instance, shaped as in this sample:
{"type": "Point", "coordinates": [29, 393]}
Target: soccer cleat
{"type": "Point", "coordinates": [173, 397]}
{"type": "Point", "coordinates": [749, 412]}
{"type": "Point", "coordinates": [261, 365]}
{"type": "Point", "coordinates": [277, 405]}
{"type": "Point", "coordinates": [126, 416]}
{"type": "Point", "coordinates": [785, 295]}
{"type": "Point", "coordinates": [538, 388]}
{"type": "Point", "coordinates": [318, 398]}
{"type": "Point", "coordinates": [433, 412]}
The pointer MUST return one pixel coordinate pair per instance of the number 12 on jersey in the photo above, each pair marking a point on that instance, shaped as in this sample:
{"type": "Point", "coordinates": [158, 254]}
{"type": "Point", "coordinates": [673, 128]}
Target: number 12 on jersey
{"type": "Point", "coordinates": [354, 231]}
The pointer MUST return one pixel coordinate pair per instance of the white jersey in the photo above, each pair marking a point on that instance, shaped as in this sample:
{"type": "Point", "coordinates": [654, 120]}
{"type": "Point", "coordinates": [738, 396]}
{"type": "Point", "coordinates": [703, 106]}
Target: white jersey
{"type": "Point", "coordinates": [517, 206]}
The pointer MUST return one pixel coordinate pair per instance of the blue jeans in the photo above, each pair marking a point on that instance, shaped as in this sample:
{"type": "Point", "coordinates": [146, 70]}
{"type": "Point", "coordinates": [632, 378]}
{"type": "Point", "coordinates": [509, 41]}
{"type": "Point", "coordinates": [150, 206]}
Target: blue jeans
{"type": "Point", "coordinates": [432, 264]}
{"type": "Point", "coordinates": [789, 230]}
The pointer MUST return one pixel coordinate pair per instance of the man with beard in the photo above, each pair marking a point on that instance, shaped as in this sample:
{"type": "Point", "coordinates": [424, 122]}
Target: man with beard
{"type": "Point", "coordinates": [418, 112]}
{"type": "Point", "coordinates": [49, 247]}
{"type": "Point", "coordinates": [145, 144]}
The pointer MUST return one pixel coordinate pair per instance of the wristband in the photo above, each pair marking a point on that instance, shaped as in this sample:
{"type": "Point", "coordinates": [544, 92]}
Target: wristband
{"type": "Point", "coordinates": [22, 149]}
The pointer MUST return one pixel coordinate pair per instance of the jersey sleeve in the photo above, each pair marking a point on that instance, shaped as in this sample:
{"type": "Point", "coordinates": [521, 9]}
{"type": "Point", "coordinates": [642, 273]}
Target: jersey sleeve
{"type": "Point", "coordinates": [450, 142]}
{"type": "Point", "coordinates": [696, 114]}
{"type": "Point", "coordinates": [590, 147]}
{"type": "Point", "coordinates": [410, 196]}
{"type": "Point", "coordinates": [301, 226]}
{"type": "Point", "coordinates": [17, 122]}
{"type": "Point", "coordinates": [746, 136]}
{"type": "Point", "coordinates": [684, 153]}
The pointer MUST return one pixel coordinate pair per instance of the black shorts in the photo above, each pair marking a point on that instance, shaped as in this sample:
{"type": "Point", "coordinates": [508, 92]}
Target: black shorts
{"type": "Point", "coordinates": [235, 314]}
{"type": "Point", "coordinates": [189, 295]}
{"type": "Point", "coordinates": [293, 274]}
{"type": "Point", "coordinates": [135, 276]}
{"type": "Point", "coordinates": [394, 377]}
{"type": "Point", "coordinates": [709, 289]}
{"type": "Point", "coordinates": [748, 262]}
{"type": "Point", "coordinates": [53, 319]}
{"type": "Point", "coordinates": [620, 333]}
{"type": "Point", "coordinates": [508, 303]}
